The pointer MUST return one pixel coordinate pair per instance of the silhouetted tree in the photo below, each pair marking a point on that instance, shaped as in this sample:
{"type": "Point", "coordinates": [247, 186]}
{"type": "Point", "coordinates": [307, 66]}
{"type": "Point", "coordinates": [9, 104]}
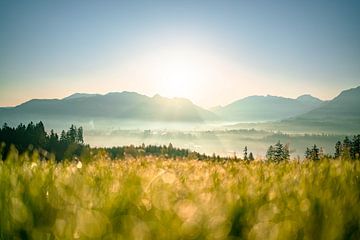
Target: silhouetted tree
{"type": "Point", "coordinates": [245, 154]}
{"type": "Point", "coordinates": [313, 153]}
{"type": "Point", "coordinates": [338, 147]}
{"type": "Point", "coordinates": [251, 157]}
{"type": "Point", "coordinates": [286, 152]}
{"type": "Point", "coordinates": [80, 135]}
{"type": "Point", "coordinates": [308, 153]}
{"type": "Point", "coordinates": [355, 147]}
{"type": "Point", "coordinates": [63, 137]}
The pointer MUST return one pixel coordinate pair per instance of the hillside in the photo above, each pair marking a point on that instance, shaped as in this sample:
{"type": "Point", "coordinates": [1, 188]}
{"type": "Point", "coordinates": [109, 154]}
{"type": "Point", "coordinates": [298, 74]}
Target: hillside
{"type": "Point", "coordinates": [266, 108]}
{"type": "Point", "coordinates": [339, 115]}
{"type": "Point", "coordinates": [124, 105]}
{"type": "Point", "coordinates": [346, 106]}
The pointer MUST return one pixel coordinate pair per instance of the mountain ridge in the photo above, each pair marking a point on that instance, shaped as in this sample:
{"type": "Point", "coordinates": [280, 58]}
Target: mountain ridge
{"type": "Point", "coordinates": [266, 108]}
{"type": "Point", "coordinates": [118, 105]}
{"type": "Point", "coordinates": [338, 115]}
{"type": "Point", "coordinates": [132, 105]}
{"type": "Point", "coordinates": [344, 106]}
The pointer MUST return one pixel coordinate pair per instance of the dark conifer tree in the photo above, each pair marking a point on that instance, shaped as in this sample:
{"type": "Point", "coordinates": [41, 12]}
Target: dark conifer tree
{"type": "Point", "coordinates": [245, 154]}
{"type": "Point", "coordinates": [80, 135]}
{"type": "Point", "coordinates": [251, 157]}
{"type": "Point", "coordinates": [315, 153]}
{"type": "Point", "coordinates": [338, 148]}
{"type": "Point", "coordinates": [308, 153]}
{"type": "Point", "coordinates": [278, 153]}
{"type": "Point", "coordinates": [270, 154]}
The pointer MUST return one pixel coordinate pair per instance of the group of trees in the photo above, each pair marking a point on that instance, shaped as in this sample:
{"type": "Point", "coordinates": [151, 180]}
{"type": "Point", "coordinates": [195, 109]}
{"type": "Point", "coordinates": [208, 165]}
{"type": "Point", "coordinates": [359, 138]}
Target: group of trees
{"type": "Point", "coordinates": [349, 149]}
{"type": "Point", "coordinates": [33, 136]}
{"type": "Point", "coordinates": [246, 157]}
{"type": "Point", "coordinates": [278, 153]}
{"type": "Point", "coordinates": [313, 153]}
{"type": "Point", "coordinates": [167, 151]}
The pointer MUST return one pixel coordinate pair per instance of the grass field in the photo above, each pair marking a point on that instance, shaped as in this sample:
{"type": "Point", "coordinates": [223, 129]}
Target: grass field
{"type": "Point", "coordinates": [151, 198]}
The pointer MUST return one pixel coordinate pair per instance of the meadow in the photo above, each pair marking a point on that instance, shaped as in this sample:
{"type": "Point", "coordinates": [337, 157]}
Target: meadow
{"type": "Point", "coordinates": [158, 198]}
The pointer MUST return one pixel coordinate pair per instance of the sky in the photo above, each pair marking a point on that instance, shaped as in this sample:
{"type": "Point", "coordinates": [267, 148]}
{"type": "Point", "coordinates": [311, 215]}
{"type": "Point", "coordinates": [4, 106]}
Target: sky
{"type": "Point", "coordinates": [212, 52]}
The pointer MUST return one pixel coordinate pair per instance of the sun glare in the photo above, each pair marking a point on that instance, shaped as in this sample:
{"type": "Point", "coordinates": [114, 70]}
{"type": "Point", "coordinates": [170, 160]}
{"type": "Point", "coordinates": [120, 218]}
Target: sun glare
{"type": "Point", "coordinates": [179, 76]}
{"type": "Point", "coordinates": [181, 72]}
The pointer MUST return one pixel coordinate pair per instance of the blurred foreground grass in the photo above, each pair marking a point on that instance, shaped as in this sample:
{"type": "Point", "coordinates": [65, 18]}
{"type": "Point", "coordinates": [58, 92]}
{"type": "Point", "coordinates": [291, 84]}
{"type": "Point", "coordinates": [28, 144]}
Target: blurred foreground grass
{"type": "Point", "coordinates": [151, 198]}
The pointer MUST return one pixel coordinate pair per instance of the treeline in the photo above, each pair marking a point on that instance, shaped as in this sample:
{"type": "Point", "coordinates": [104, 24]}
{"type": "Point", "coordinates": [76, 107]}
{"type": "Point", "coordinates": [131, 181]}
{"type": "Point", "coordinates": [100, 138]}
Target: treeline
{"type": "Point", "coordinates": [167, 151]}
{"type": "Point", "coordinates": [347, 149]}
{"type": "Point", "coordinates": [34, 137]}
{"type": "Point", "coordinates": [70, 144]}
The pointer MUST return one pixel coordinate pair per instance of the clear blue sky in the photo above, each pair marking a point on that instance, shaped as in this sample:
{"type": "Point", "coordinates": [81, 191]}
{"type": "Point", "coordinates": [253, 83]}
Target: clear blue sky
{"type": "Point", "coordinates": [212, 52]}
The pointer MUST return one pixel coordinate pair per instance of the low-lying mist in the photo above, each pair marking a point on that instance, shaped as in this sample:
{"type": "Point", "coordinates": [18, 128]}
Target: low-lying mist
{"type": "Point", "coordinates": [203, 137]}
{"type": "Point", "coordinates": [221, 142]}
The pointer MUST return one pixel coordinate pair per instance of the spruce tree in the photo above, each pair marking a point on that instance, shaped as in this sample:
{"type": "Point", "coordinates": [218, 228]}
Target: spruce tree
{"type": "Point", "coordinates": [251, 157]}
{"type": "Point", "coordinates": [315, 153]}
{"type": "Point", "coordinates": [338, 147]}
{"type": "Point", "coordinates": [270, 154]}
{"type": "Point", "coordinates": [245, 154]}
{"type": "Point", "coordinates": [278, 152]}
{"type": "Point", "coordinates": [308, 153]}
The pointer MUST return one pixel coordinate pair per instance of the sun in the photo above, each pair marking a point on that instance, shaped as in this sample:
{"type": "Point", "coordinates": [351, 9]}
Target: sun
{"type": "Point", "coordinates": [174, 71]}
{"type": "Point", "coordinates": [181, 73]}
{"type": "Point", "coordinates": [179, 77]}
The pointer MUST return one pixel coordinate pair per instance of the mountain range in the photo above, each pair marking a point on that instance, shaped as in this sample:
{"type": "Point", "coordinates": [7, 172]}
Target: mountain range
{"type": "Point", "coordinates": [304, 110]}
{"type": "Point", "coordinates": [267, 108]}
{"type": "Point", "coordinates": [114, 105]}
{"type": "Point", "coordinates": [346, 106]}
{"type": "Point", "coordinates": [340, 115]}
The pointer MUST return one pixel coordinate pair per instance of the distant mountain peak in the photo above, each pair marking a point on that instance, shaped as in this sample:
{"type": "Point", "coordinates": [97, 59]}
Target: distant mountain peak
{"type": "Point", "coordinates": [307, 98]}
{"type": "Point", "coordinates": [344, 109]}
{"type": "Point", "coordinates": [122, 93]}
{"type": "Point", "coordinates": [157, 96]}
{"type": "Point", "coordinates": [80, 95]}
{"type": "Point", "coordinates": [176, 99]}
{"type": "Point", "coordinates": [267, 108]}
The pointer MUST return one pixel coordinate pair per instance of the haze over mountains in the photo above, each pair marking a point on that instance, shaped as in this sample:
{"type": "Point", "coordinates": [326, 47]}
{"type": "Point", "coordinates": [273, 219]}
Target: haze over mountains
{"type": "Point", "coordinates": [346, 106]}
{"type": "Point", "coordinates": [305, 110]}
{"type": "Point", "coordinates": [115, 105]}
{"type": "Point", "coordinates": [339, 115]}
{"type": "Point", "coordinates": [267, 108]}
